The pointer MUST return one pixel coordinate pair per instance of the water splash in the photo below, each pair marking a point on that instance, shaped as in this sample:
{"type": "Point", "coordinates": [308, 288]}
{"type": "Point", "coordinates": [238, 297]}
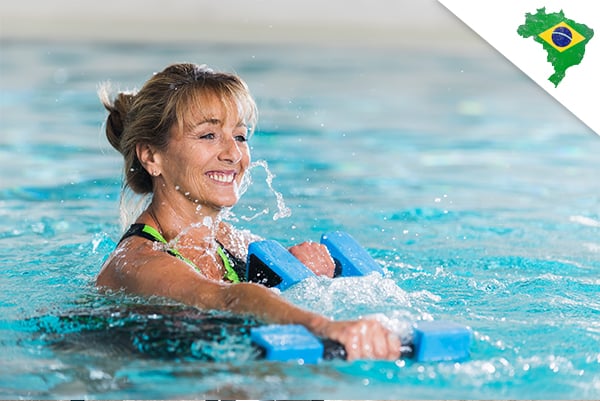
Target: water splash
{"type": "Point", "coordinates": [208, 244]}
{"type": "Point", "coordinates": [282, 210]}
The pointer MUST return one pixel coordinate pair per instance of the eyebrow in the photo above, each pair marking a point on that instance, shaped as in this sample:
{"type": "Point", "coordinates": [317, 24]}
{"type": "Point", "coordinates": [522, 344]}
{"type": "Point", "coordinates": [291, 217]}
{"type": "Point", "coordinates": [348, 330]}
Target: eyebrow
{"type": "Point", "coordinates": [212, 121]}
{"type": "Point", "coordinates": [216, 121]}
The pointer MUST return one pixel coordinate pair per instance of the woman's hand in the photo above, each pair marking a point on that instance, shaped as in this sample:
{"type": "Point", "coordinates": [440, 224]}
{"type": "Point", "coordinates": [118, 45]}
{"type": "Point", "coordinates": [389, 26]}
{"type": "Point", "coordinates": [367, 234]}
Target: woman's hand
{"type": "Point", "coordinates": [315, 256]}
{"type": "Point", "coordinates": [364, 339]}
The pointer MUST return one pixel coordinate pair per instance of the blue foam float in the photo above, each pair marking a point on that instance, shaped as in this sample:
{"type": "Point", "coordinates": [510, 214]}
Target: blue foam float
{"type": "Point", "coordinates": [441, 340]}
{"type": "Point", "coordinates": [270, 264]}
{"type": "Point", "coordinates": [287, 342]}
{"type": "Point", "coordinates": [353, 259]}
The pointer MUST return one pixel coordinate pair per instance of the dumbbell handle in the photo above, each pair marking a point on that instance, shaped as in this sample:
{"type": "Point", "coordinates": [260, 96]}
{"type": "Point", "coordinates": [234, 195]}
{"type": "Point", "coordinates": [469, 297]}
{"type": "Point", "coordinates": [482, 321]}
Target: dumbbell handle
{"type": "Point", "coordinates": [335, 350]}
{"type": "Point", "coordinates": [432, 341]}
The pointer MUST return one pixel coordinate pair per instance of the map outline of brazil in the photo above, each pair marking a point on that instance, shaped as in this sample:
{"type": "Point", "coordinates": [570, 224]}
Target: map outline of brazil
{"type": "Point", "coordinates": [563, 39]}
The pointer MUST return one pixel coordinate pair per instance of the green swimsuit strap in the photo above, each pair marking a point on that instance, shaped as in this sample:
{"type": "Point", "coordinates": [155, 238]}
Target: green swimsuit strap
{"type": "Point", "coordinates": [230, 274]}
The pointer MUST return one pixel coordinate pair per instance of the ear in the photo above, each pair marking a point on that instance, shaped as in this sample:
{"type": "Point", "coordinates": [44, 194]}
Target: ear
{"type": "Point", "coordinates": [148, 158]}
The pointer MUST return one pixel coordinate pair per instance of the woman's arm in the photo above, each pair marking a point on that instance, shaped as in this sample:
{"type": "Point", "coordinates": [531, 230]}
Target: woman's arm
{"type": "Point", "coordinates": [157, 273]}
{"type": "Point", "coordinates": [154, 272]}
{"type": "Point", "coordinates": [361, 338]}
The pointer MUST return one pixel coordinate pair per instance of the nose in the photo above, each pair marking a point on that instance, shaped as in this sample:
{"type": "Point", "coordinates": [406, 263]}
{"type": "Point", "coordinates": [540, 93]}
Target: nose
{"type": "Point", "coordinates": [230, 151]}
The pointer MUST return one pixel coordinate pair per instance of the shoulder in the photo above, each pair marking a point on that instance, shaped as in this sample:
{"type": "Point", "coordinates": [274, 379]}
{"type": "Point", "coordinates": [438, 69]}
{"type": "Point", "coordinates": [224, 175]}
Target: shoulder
{"type": "Point", "coordinates": [137, 267]}
{"type": "Point", "coordinates": [134, 260]}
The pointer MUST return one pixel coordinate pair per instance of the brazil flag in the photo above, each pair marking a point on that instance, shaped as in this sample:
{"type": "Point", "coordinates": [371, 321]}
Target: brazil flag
{"type": "Point", "coordinates": [564, 40]}
{"type": "Point", "coordinates": [562, 36]}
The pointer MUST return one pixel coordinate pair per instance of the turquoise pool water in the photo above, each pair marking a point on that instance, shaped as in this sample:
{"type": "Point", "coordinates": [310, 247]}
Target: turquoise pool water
{"type": "Point", "coordinates": [476, 191]}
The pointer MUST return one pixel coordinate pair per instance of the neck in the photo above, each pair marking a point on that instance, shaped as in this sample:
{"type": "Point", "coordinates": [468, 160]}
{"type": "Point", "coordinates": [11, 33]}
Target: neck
{"type": "Point", "coordinates": [174, 221]}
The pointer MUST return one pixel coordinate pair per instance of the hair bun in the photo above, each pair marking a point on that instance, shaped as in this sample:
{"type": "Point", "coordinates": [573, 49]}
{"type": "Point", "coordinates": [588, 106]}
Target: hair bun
{"type": "Point", "coordinates": [118, 109]}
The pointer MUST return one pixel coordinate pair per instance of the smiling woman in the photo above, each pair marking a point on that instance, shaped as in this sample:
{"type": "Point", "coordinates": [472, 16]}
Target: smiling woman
{"type": "Point", "coordinates": [184, 137]}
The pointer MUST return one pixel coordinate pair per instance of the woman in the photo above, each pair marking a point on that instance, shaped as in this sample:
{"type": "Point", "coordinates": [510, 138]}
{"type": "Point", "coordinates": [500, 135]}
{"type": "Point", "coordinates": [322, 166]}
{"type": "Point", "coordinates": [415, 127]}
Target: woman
{"type": "Point", "coordinates": [184, 137]}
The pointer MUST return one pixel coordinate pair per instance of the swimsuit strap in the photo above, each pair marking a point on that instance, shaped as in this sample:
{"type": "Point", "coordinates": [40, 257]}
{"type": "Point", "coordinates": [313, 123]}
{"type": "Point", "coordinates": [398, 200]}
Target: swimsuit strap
{"type": "Point", "coordinates": [230, 274]}
{"type": "Point", "coordinates": [152, 234]}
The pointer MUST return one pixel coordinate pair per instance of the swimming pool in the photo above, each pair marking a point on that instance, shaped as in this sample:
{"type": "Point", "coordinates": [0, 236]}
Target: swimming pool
{"type": "Point", "coordinates": [477, 192]}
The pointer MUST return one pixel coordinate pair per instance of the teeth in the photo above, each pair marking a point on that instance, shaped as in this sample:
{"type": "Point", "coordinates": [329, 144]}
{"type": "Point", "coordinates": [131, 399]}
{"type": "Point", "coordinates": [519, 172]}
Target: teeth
{"type": "Point", "coordinates": [221, 177]}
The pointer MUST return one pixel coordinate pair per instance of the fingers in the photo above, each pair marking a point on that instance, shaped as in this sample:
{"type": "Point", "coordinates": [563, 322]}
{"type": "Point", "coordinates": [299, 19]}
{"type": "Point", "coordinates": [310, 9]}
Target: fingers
{"type": "Point", "coordinates": [315, 256]}
{"type": "Point", "coordinates": [368, 339]}
{"type": "Point", "coordinates": [394, 346]}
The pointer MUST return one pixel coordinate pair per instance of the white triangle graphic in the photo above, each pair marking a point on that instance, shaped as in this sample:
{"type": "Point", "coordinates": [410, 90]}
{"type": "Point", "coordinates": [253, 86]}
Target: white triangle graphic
{"type": "Point", "coordinates": [497, 23]}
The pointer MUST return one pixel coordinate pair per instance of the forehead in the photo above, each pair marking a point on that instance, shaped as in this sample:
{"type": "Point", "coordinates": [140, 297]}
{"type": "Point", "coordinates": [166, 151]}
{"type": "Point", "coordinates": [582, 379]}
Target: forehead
{"type": "Point", "coordinates": [201, 106]}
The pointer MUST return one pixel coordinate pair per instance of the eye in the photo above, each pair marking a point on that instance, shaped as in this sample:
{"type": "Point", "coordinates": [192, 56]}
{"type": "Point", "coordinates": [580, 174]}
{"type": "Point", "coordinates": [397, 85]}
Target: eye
{"type": "Point", "coordinates": [241, 138]}
{"type": "Point", "coordinates": [209, 135]}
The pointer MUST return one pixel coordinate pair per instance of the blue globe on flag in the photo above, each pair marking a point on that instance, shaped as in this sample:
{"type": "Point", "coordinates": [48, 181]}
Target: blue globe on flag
{"type": "Point", "coordinates": [562, 36]}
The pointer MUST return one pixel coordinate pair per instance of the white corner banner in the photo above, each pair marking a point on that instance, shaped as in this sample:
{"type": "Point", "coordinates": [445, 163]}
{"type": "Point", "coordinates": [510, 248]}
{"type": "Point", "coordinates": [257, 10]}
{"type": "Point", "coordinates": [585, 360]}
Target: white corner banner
{"type": "Point", "coordinates": [556, 43]}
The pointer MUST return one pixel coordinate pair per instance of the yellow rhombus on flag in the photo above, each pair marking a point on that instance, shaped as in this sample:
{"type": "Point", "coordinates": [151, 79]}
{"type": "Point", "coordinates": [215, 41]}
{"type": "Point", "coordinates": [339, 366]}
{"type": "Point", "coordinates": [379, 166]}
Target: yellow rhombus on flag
{"type": "Point", "coordinates": [547, 35]}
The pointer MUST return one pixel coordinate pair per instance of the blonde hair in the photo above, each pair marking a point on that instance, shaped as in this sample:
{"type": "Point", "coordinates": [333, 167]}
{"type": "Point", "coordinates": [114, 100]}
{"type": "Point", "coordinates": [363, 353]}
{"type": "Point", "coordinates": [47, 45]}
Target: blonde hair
{"type": "Point", "coordinates": [166, 99]}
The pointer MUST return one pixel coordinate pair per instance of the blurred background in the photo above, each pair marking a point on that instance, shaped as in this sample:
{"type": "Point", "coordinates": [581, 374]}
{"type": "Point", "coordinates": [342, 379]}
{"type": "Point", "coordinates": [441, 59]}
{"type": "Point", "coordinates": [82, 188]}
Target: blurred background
{"type": "Point", "coordinates": [330, 22]}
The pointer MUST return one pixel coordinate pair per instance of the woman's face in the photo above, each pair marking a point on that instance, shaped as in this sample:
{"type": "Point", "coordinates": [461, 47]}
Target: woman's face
{"type": "Point", "coordinates": [206, 160]}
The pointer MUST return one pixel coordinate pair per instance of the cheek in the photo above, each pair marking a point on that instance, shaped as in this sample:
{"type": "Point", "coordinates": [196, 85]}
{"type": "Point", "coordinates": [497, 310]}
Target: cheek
{"type": "Point", "coordinates": [183, 173]}
{"type": "Point", "coordinates": [185, 160]}
{"type": "Point", "coordinates": [245, 166]}
{"type": "Point", "coordinates": [246, 157]}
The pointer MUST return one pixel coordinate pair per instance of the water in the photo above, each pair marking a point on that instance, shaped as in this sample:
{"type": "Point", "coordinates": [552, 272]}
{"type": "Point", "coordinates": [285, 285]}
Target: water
{"type": "Point", "coordinates": [476, 191]}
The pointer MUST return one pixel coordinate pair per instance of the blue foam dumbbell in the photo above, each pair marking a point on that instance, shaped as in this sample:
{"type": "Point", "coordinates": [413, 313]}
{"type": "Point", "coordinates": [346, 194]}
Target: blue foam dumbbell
{"type": "Point", "coordinates": [353, 259]}
{"type": "Point", "coordinates": [270, 264]}
{"type": "Point", "coordinates": [432, 341]}
{"type": "Point", "coordinates": [287, 342]}
{"type": "Point", "coordinates": [440, 340]}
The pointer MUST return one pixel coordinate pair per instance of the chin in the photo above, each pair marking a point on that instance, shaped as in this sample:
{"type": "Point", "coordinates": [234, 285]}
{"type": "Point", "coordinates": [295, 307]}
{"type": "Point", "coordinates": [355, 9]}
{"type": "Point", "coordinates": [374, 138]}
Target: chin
{"type": "Point", "coordinates": [229, 204]}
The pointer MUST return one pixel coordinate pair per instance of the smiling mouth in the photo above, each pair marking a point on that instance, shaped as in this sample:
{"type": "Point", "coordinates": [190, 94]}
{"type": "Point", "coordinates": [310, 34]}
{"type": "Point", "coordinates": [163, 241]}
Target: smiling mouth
{"type": "Point", "coordinates": [222, 177]}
